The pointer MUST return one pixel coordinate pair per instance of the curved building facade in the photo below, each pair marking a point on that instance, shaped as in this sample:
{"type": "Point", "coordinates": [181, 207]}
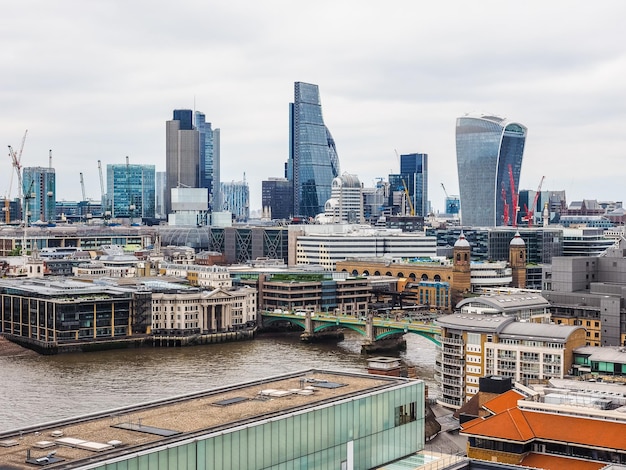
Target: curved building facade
{"type": "Point", "coordinates": [313, 160]}
{"type": "Point", "coordinates": [486, 146]}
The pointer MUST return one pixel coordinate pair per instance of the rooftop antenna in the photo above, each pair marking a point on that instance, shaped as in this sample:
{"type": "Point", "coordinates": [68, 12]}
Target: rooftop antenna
{"type": "Point", "coordinates": [50, 158]}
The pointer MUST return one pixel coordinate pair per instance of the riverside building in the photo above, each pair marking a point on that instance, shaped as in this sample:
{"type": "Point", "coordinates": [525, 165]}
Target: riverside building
{"type": "Point", "coordinates": [312, 419]}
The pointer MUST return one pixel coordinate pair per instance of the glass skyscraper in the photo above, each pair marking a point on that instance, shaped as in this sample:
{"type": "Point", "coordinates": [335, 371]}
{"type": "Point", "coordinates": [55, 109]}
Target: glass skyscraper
{"type": "Point", "coordinates": [131, 190]}
{"type": "Point", "coordinates": [414, 172]}
{"type": "Point", "coordinates": [313, 160]}
{"type": "Point", "coordinates": [39, 189]}
{"type": "Point", "coordinates": [488, 149]}
{"type": "Point", "coordinates": [209, 149]}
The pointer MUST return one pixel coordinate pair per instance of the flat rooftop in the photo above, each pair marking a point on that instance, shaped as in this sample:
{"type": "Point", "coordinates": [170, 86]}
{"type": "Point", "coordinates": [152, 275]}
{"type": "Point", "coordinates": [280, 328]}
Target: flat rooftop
{"type": "Point", "coordinates": [116, 432]}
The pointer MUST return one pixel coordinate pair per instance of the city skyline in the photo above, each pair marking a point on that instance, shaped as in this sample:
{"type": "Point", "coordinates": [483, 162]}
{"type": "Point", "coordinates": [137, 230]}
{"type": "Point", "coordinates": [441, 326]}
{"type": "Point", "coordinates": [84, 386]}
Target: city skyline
{"type": "Point", "coordinates": [384, 89]}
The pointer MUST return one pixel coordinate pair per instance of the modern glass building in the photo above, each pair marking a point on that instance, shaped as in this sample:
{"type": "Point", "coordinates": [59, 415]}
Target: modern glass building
{"type": "Point", "coordinates": [489, 150]}
{"type": "Point", "coordinates": [277, 196]}
{"type": "Point", "coordinates": [209, 149]}
{"type": "Point", "coordinates": [131, 190]}
{"type": "Point", "coordinates": [313, 160]}
{"type": "Point", "coordinates": [314, 419]}
{"type": "Point", "coordinates": [236, 199]}
{"type": "Point", "coordinates": [414, 172]}
{"type": "Point", "coordinates": [39, 189]}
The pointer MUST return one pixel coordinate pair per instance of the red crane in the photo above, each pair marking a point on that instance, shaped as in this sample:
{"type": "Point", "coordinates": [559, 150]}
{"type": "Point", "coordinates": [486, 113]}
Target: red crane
{"type": "Point", "coordinates": [531, 212]}
{"type": "Point", "coordinates": [514, 202]}
{"type": "Point", "coordinates": [505, 210]}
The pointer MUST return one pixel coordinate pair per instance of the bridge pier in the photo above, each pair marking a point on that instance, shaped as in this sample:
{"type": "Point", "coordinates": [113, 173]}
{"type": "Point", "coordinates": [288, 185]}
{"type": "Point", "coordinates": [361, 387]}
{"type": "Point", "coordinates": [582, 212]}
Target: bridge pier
{"type": "Point", "coordinates": [385, 345]}
{"type": "Point", "coordinates": [311, 336]}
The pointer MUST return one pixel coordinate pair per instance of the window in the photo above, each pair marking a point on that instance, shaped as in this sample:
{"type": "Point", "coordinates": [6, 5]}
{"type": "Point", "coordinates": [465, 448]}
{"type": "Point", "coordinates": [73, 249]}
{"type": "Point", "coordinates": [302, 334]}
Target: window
{"type": "Point", "coordinates": [405, 414]}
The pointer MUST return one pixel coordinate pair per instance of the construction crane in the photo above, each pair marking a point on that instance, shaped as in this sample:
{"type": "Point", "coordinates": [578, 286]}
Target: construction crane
{"type": "Point", "coordinates": [505, 210]}
{"type": "Point", "coordinates": [408, 197]}
{"type": "Point", "coordinates": [16, 158]}
{"type": "Point", "coordinates": [103, 202]}
{"type": "Point", "coordinates": [514, 201]}
{"type": "Point", "coordinates": [530, 213]}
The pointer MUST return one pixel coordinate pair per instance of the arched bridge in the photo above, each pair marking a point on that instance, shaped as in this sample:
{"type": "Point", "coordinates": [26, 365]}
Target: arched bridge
{"type": "Point", "coordinates": [373, 328]}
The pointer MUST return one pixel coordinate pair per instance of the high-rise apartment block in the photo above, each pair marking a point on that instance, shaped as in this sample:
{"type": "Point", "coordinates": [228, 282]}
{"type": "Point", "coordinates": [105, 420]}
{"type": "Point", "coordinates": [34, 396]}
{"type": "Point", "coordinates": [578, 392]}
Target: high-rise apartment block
{"type": "Point", "coordinates": [131, 190]}
{"type": "Point", "coordinates": [39, 189]}
{"type": "Point", "coordinates": [489, 160]}
{"type": "Point", "coordinates": [313, 160]}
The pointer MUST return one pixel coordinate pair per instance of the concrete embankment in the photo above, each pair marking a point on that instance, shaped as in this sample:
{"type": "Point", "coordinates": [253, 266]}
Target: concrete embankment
{"type": "Point", "coordinates": [9, 349]}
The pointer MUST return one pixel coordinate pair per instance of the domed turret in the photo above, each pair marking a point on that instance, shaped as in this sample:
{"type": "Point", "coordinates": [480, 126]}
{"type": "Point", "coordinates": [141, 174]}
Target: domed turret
{"type": "Point", "coordinates": [462, 242]}
{"type": "Point", "coordinates": [517, 240]}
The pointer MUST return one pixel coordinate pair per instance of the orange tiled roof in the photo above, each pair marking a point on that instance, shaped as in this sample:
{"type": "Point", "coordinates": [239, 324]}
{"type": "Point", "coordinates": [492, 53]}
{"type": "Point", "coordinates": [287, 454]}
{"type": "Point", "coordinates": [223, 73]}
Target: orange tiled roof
{"type": "Point", "coordinates": [555, 462]}
{"type": "Point", "coordinates": [504, 401]}
{"type": "Point", "coordinates": [523, 426]}
{"type": "Point", "coordinates": [509, 425]}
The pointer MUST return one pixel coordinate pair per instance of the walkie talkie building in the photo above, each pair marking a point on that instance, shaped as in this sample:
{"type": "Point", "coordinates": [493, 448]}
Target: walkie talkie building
{"type": "Point", "coordinates": [489, 153]}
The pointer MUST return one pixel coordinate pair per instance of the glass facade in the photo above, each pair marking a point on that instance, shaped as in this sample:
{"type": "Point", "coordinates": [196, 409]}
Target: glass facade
{"type": "Point", "coordinates": [131, 190]}
{"type": "Point", "coordinates": [313, 160]}
{"type": "Point", "coordinates": [414, 171]}
{"type": "Point", "coordinates": [39, 189]}
{"type": "Point", "coordinates": [487, 146]}
{"type": "Point", "coordinates": [209, 158]}
{"type": "Point", "coordinates": [365, 431]}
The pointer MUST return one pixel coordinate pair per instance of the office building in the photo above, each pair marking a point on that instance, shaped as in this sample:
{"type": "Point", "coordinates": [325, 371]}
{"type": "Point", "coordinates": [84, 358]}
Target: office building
{"type": "Point", "coordinates": [236, 199]}
{"type": "Point", "coordinates": [312, 419]}
{"type": "Point", "coordinates": [39, 189]}
{"type": "Point", "coordinates": [182, 154]}
{"type": "Point", "coordinates": [209, 149]}
{"type": "Point", "coordinates": [277, 199]}
{"type": "Point", "coordinates": [131, 190]}
{"type": "Point", "coordinates": [313, 160]}
{"type": "Point", "coordinates": [325, 245]}
{"type": "Point", "coordinates": [346, 202]}
{"type": "Point", "coordinates": [159, 198]}
{"type": "Point", "coordinates": [489, 157]}
{"type": "Point", "coordinates": [590, 291]}
{"type": "Point", "coordinates": [414, 172]}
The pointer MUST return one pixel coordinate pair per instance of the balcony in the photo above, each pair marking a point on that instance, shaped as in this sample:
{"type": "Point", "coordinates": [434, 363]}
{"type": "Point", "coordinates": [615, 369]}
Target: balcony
{"type": "Point", "coordinates": [453, 372]}
{"type": "Point", "coordinates": [448, 392]}
{"type": "Point", "coordinates": [452, 382]}
{"type": "Point", "coordinates": [453, 362]}
{"type": "Point", "coordinates": [453, 351]}
{"type": "Point", "coordinates": [447, 340]}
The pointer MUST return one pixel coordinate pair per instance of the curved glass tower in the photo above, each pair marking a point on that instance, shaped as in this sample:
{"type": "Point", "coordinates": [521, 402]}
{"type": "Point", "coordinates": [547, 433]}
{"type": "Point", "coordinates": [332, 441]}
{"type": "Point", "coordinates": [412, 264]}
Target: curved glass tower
{"type": "Point", "coordinates": [486, 147]}
{"type": "Point", "coordinates": [313, 160]}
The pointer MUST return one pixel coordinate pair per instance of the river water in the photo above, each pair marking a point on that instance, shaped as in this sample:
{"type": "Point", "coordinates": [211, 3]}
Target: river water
{"type": "Point", "coordinates": [39, 389]}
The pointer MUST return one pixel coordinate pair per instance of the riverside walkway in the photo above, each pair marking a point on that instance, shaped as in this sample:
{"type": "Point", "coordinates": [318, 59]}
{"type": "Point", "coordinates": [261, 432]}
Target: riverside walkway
{"type": "Point", "coordinates": [372, 328]}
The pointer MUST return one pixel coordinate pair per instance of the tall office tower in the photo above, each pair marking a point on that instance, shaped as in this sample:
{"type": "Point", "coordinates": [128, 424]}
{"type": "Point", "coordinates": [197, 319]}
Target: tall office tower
{"type": "Point", "coordinates": [182, 154]}
{"type": "Point", "coordinates": [276, 198]}
{"type": "Point", "coordinates": [236, 197]}
{"type": "Point", "coordinates": [414, 172]}
{"type": "Point", "coordinates": [131, 190]}
{"type": "Point", "coordinates": [39, 189]}
{"type": "Point", "coordinates": [313, 160]}
{"type": "Point", "coordinates": [489, 153]}
{"type": "Point", "coordinates": [159, 198]}
{"type": "Point", "coordinates": [209, 149]}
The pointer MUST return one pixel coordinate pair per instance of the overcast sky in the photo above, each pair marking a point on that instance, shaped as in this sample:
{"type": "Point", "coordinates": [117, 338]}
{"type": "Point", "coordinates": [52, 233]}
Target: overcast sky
{"type": "Point", "coordinates": [97, 80]}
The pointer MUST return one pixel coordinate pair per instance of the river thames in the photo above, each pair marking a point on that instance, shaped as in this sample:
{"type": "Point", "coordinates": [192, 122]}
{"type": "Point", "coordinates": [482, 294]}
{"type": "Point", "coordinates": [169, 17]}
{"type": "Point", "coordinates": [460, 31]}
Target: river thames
{"type": "Point", "coordinates": [39, 389]}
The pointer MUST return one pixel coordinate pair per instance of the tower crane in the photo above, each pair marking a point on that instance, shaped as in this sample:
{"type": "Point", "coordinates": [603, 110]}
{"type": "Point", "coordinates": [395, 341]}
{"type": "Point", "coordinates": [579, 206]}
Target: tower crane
{"type": "Point", "coordinates": [103, 202]}
{"type": "Point", "coordinates": [514, 201]}
{"type": "Point", "coordinates": [530, 212]}
{"type": "Point", "coordinates": [505, 209]}
{"type": "Point", "coordinates": [15, 161]}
